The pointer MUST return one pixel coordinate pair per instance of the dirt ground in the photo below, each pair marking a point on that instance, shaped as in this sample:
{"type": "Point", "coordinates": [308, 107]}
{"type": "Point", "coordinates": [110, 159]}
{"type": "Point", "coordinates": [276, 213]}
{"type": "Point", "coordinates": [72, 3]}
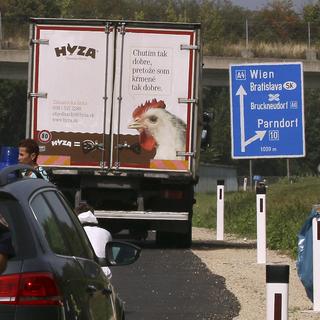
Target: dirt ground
{"type": "Point", "coordinates": [236, 260]}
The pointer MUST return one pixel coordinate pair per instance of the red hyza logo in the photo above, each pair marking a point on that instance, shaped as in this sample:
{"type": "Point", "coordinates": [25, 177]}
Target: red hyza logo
{"type": "Point", "coordinates": [75, 50]}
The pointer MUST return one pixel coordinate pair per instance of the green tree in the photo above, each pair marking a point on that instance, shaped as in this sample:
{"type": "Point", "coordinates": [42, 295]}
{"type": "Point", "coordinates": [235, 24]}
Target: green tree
{"type": "Point", "coordinates": [81, 9]}
{"type": "Point", "coordinates": [312, 125]}
{"type": "Point", "coordinates": [171, 12]}
{"type": "Point", "coordinates": [64, 6]}
{"type": "Point", "coordinates": [139, 15]}
{"type": "Point", "coordinates": [13, 103]}
{"type": "Point", "coordinates": [212, 24]}
{"type": "Point", "coordinates": [311, 13]}
{"type": "Point", "coordinates": [4, 4]}
{"type": "Point", "coordinates": [216, 103]}
{"type": "Point", "coordinates": [21, 10]}
{"type": "Point", "coordinates": [234, 18]}
{"type": "Point", "coordinates": [184, 10]}
{"type": "Point", "coordinates": [277, 22]}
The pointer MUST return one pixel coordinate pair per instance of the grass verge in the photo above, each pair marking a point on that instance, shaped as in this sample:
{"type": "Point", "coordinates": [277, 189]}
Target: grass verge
{"type": "Point", "coordinates": [288, 206]}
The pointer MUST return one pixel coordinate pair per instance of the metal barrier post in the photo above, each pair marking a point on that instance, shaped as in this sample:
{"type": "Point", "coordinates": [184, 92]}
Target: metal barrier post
{"type": "Point", "coordinates": [220, 209]}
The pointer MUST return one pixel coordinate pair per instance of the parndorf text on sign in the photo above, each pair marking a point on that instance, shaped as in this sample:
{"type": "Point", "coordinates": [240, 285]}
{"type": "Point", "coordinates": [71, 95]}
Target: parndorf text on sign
{"type": "Point", "coordinates": [266, 124]}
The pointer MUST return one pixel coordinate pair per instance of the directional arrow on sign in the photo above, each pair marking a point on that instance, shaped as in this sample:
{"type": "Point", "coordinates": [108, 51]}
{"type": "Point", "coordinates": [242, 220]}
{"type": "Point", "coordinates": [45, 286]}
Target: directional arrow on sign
{"type": "Point", "coordinates": [241, 93]}
{"type": "Point", "coordinates": [259, 134]}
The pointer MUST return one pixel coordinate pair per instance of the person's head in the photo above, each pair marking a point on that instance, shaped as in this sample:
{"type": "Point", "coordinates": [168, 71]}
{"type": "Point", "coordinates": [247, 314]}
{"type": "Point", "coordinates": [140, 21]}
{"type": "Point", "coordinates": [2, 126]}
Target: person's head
{"type": "Point", "coordinates": [85, 214]}
{"type": "Point", "coordinates": [83, 207]}
{"type": "Point", "coordinates": [28, 152]}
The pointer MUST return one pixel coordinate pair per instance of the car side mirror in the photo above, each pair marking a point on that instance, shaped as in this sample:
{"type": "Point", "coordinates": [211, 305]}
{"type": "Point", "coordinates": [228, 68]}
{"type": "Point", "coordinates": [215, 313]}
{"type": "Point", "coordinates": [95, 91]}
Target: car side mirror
{"type": "Point", "coordinates": [121, 253]}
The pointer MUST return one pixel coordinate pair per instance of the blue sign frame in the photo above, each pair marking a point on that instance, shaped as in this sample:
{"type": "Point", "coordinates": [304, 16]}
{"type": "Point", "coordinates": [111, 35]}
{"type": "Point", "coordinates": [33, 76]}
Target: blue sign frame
{"type": "Point", "coordinates": [267, 110]}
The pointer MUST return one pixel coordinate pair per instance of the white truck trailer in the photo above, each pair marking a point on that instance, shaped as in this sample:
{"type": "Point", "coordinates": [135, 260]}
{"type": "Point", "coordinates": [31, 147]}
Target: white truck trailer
{"type": "Point", "coordinates": [115, 108]}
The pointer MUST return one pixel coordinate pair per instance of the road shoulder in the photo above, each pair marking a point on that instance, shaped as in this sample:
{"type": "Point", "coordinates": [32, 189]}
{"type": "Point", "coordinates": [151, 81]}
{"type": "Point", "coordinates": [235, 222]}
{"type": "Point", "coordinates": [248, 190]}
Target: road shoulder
{"type": "Point", "coordinates": [236, 260]}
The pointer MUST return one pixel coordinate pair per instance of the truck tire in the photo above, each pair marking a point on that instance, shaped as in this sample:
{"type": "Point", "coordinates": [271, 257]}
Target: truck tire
{"type": "Point", "coordinates": [185, 239]}
{"type": "Point", "coordinates": [174, 239]}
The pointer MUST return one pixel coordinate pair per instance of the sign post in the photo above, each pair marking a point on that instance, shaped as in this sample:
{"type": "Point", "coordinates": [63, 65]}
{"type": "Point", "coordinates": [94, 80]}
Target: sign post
{"type": "Point", "coordinates": [267, 110]}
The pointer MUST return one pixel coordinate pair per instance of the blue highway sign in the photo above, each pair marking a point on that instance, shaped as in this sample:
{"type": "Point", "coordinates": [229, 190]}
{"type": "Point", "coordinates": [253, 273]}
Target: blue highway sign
{"type": "Point", "coordinates": [267, 110]}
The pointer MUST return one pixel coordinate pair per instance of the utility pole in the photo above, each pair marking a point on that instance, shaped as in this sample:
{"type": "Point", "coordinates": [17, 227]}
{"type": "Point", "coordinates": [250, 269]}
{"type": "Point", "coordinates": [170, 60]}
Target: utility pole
{"type": "Point", "coordinates": [247, 35]}
{"type": "Point", "coordinates": [309, 36]}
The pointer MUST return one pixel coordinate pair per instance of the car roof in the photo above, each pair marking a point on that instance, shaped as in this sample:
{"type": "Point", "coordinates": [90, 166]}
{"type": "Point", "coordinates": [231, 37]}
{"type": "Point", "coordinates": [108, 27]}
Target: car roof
{"type": "Point", "coordinates": [23, 188]}
{"type": "Point", "coordinates": [18, 186]}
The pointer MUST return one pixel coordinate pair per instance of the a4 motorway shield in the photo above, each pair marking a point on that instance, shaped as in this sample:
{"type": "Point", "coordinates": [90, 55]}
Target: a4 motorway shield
{"type": "Point", "coordinates": [267, 111]}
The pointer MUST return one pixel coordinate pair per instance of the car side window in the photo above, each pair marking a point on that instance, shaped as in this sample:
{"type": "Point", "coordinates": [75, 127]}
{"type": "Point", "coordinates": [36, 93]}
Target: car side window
{"type": "Point", "coordinates": [72, 231]}
{"type": "Point", "coordinates": [7, 228]}
{"type": "Point", "coordinates": [75, 219]}
{"type": "Point", "coordinates": [49, 225]}
{"type": "Point", "coordinates": [57, 226]}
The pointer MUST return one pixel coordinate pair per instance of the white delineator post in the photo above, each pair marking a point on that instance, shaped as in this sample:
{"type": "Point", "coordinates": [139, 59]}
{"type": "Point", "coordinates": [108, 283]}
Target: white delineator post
{"type": "Point", "coordinates": [245, 182]}
{"type": "Point", "coordinates": [220, 209]}
{"type": "Point", "coordinates": [261, 223]}
{"type": "Point", "coordinates": [316, 263]}
{"type": "Point", "coordinates": [277, 278]}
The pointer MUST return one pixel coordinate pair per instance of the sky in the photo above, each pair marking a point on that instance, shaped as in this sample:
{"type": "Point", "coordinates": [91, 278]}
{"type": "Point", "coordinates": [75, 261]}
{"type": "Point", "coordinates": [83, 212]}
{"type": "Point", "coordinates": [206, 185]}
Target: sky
{"type": "Point", "coordinates": [258, 4]}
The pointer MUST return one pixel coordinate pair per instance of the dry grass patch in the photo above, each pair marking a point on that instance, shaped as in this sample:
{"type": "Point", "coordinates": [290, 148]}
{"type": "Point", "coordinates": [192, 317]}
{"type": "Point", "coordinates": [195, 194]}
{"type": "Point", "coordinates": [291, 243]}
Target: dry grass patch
{"type": "Point", "coordinates": [266, 50]}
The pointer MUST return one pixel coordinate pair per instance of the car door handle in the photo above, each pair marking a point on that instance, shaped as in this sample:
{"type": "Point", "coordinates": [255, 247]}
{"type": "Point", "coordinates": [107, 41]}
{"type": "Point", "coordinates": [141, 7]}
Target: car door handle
{"type": "Point", "coordinates": [91, 289]}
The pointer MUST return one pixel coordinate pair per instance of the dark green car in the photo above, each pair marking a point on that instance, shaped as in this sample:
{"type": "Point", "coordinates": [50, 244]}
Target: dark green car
{"type": "Point", "coordinates": [54, 273]}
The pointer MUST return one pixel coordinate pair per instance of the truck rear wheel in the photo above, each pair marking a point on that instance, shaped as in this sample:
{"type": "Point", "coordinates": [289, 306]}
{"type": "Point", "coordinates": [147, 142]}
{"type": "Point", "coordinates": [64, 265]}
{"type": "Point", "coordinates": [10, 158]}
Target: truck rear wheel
{"type": "Point", "coordinates": [174, 239]}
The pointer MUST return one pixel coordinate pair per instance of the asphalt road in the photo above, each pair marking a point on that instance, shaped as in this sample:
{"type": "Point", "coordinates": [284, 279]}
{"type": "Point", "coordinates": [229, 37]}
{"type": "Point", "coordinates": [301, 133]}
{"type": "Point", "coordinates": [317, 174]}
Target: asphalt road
{"type": "Point", "coordinates": [172, 284]}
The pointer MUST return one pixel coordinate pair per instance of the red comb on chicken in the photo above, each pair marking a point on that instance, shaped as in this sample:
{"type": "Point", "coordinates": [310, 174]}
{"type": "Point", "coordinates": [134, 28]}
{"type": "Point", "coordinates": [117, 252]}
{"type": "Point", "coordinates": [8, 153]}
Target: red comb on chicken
{"type": "Point", "coordinates": [138, 111]}
{"type": "Point", "coordinates": [159, 129]}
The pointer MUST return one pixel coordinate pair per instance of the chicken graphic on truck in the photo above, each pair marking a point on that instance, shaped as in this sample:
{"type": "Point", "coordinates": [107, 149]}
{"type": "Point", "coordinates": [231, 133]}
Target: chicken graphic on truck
{"type": "Point", "coordinates": [115, 108]}
{"type": "Point", "coordinates": [159, 130]}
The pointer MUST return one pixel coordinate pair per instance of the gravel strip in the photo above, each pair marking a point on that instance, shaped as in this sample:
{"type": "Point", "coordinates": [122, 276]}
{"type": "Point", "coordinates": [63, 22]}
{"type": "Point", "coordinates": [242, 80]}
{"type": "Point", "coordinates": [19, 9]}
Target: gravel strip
{"type": "Point", "coordinates": [236, 260]}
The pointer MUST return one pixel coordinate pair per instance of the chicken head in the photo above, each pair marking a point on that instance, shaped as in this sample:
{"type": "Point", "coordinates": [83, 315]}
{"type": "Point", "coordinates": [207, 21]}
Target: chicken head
{"type": "Point", "coordinates": [159, 129]}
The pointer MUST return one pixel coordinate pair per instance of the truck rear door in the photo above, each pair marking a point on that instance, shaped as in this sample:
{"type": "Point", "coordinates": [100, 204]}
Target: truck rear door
{"type": "Point", "coordinates": [118, 95]}
{"type": "Point", "coordinates": [70, 109]}
{"type": "Point", "coordinates": [154, 93]}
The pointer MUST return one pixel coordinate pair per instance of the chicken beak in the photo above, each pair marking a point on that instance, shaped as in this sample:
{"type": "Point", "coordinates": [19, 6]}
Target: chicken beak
{"type": "Point", "coordinates": [136, 124]}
